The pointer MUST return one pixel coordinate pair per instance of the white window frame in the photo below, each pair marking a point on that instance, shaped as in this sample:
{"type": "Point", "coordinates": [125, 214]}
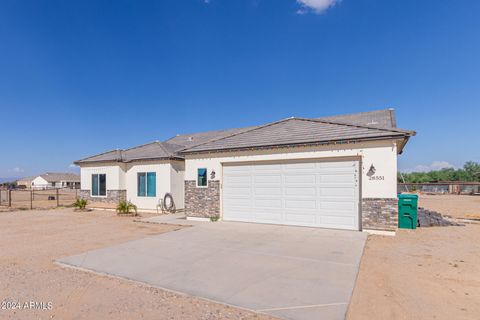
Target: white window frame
{"type": "Point", "coordinates": [146, 184]}
{"type": "Point", "coordinates": [196, 182]}
{"type": "Point", "coordinates": [91, 191]}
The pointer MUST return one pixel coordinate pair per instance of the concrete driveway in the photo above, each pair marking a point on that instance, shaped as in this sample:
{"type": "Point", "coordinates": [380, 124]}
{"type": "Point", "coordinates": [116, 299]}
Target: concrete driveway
{"type": "Point", "coordinates": [288, 272]}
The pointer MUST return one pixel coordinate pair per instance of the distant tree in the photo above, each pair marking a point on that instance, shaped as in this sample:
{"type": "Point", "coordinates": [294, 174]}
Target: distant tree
{"type": "Point", "coordinates": [469, 172]}
{"type": "Point", "coordinates": [473, 170]}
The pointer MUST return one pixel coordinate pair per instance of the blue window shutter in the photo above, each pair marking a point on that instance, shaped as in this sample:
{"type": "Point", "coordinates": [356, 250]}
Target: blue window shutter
{"type": "Point", "coordinates": [151, 184]}
{"type": "Point", "coordinates": [141, 184]}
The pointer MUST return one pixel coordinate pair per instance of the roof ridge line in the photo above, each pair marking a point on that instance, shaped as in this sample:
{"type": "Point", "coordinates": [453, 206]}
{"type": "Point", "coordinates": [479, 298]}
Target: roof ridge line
{"type": "Point", "coordinates": [393, 119]}
{"type": "Point", "coordinates": [356, 125]}
{"type": "Point", "coordinates": [99, 154]}
{"type": "Point", "coordinates": [355, 113]}
{"type": "Point", "coordinates": [160, 144]}
{"type": "Point", "coordinates": [236, 133]}
{"type": "Point", "coordinates": [142, 145]}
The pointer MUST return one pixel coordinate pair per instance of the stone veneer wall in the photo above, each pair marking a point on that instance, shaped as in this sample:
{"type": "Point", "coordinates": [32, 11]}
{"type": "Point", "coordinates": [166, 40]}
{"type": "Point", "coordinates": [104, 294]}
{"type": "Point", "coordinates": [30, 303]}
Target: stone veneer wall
{"type": "Point", "coordinates": [113, 196]}
{"type": "Point", "coordinates": [380, 214]}
{"type": "Point", "coordinates": [202, 202]}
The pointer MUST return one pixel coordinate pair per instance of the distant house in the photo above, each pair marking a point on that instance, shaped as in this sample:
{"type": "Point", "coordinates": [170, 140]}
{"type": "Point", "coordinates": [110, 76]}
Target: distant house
{"type": "Point", "coordinates": [51, 180]}
{"type": "Point", "coordinates": [25, 183]}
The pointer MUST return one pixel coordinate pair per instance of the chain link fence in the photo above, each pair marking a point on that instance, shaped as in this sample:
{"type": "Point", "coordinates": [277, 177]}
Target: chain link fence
{"type": "Point", "coordinates": [463, 188]}
{"type": "Point", "coordinates": [37, 199]}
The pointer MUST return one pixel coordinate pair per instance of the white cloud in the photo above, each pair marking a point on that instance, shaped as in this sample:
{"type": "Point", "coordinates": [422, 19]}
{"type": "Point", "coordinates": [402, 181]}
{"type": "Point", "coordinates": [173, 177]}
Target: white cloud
{"type": "Point", "coordinates": [435, 165]}
{"type": "Point", "coordinates": [17, 170]}
{"type": "Point", "coordinates": [317, 6]}
{"type": "Point", "coordinates": [72, 166]}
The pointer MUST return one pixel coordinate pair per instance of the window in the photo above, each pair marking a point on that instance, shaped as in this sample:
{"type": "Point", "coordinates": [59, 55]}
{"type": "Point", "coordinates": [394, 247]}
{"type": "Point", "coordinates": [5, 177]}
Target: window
{"type": "Point", "coordinates": [201, 177]}
{"type": "Point", "coordinates": [99, 185]}
{"type": "Point", "coordinates": [147, 184]}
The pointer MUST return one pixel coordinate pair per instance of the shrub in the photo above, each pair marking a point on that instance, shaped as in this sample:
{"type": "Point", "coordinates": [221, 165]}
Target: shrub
{"type": "Point", "coordinates": [214, 218]}
{"type": "Point", "coordinates": [80, 204]}
{"type": "Point", "coordinates": [126, 207]}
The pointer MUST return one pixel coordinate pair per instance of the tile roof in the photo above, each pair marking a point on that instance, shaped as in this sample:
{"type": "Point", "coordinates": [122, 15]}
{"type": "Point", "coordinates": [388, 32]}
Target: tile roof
{"type": "Point", "coordinates": [60, 176]}
{"type": "Point", "coordinates": [296, 131]}
{"type": "Point", "coordinates": [26, 179]}
{"type": "Point", "coordinates": [152, 150]}
{"type": "Point", "coordinates": [378, 118]}
{"type": "Point", "coordinates": [357, 126]}
{"type": "Point", "coordinates": [190, 140]}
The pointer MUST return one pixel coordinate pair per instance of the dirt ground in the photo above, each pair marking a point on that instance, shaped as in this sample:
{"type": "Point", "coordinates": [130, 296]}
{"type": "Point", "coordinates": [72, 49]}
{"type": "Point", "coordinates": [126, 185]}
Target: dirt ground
{"type": "Point", "coordinates": [428, 273]}
{"type": "Point", "coordinates": [31, 240]}
{"type": "Point", "coordinates": [457, 206]}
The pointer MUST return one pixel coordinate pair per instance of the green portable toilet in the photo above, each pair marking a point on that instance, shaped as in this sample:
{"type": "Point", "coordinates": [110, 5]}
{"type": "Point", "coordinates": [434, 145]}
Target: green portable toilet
{"type": "Point", "coordinates": [407, 211]}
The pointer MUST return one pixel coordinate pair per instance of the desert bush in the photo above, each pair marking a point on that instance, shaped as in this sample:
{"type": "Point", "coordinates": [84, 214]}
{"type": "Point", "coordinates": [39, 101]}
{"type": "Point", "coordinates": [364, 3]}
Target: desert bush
{"type": "Point", "coordinates": [214, 218]}
{"type": "Point", "coordinates": [126, 207]}
{"type": "Point", "coordinates": [80, 204]}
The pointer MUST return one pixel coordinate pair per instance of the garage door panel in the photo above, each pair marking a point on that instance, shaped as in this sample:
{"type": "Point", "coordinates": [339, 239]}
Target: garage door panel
{"type": "Point", "coordinates": [268, 216]}
{"type": "Point", "coordinates": [238, 202]}
{"type": "Point", "coordinates": [299, 218]}
{"type": "Point", "coordinates": [237, 191]}
{"type": "Point", "coordinates": [268, 203]}
{"type": "Point", "coordinates": [300, 166]}
{"type": "Point", "coordinates": [235, 180]}
{"type": "Point", "coordinates": [321, 194]}
{"type": "Point", "coordinates": [267, 168]}
{"type": "Point", "coordinates": [337, 178]}
{"type": "Point", "coordinates": [301, 191]}
{"type": "Point", "coordinates": [337, 205]}
{"type": "Point", "coordinates": [300, 204]}
{"type": "Point", "coordinates": [336, 164]}
{"type": "Point", "coordinates": [300, 178]}
{"type": "Point", "coordinates": [337, 192]}
{"type": "Point", "coordinates": [266, 191]}
{"type": "Point", "coordinates": [268, 179]}
{"type": "Point", "coordinates": [236, 169]}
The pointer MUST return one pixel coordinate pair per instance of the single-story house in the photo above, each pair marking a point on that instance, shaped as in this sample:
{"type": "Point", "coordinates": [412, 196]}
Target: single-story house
{"type": "Point", "coordinates": [333, 172]}
{"type": "Point", "coordinates": [25, 183]}
{"type": "Point", "coordinates": [54, 180]}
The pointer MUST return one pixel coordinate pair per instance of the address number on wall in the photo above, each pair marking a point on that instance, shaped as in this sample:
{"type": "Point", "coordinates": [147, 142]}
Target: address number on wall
{"type": "Point", "coordinates": [376, 178]}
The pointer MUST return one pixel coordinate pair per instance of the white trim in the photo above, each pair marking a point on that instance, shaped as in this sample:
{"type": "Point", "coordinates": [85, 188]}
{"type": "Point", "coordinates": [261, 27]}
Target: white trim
{"type": "Point", "coordinates": [198, 219]}
{"type": "Point", "coordinates": [91, 183]}
{"type": "Point", "coordinates": [146, 184]}
{"type": "Point", "coordinates": [196, 180]}
{"type": "Point", "coordinates": [380, 232]}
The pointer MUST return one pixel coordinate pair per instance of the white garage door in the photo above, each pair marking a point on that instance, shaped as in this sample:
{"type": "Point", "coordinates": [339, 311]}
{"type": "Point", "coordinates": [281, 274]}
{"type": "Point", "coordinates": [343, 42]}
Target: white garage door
{"type": "Point", "coordinates": [318, 194]}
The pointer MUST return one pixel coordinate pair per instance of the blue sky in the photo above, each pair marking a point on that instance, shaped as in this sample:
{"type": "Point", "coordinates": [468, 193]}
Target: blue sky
{"type": "Point", "coordinates": [81, 77]}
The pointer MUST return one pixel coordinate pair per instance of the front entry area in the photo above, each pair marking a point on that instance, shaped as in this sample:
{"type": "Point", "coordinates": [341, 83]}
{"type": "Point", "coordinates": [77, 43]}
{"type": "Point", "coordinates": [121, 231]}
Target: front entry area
{"type": "Point", "coordinates": [302, 193]}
